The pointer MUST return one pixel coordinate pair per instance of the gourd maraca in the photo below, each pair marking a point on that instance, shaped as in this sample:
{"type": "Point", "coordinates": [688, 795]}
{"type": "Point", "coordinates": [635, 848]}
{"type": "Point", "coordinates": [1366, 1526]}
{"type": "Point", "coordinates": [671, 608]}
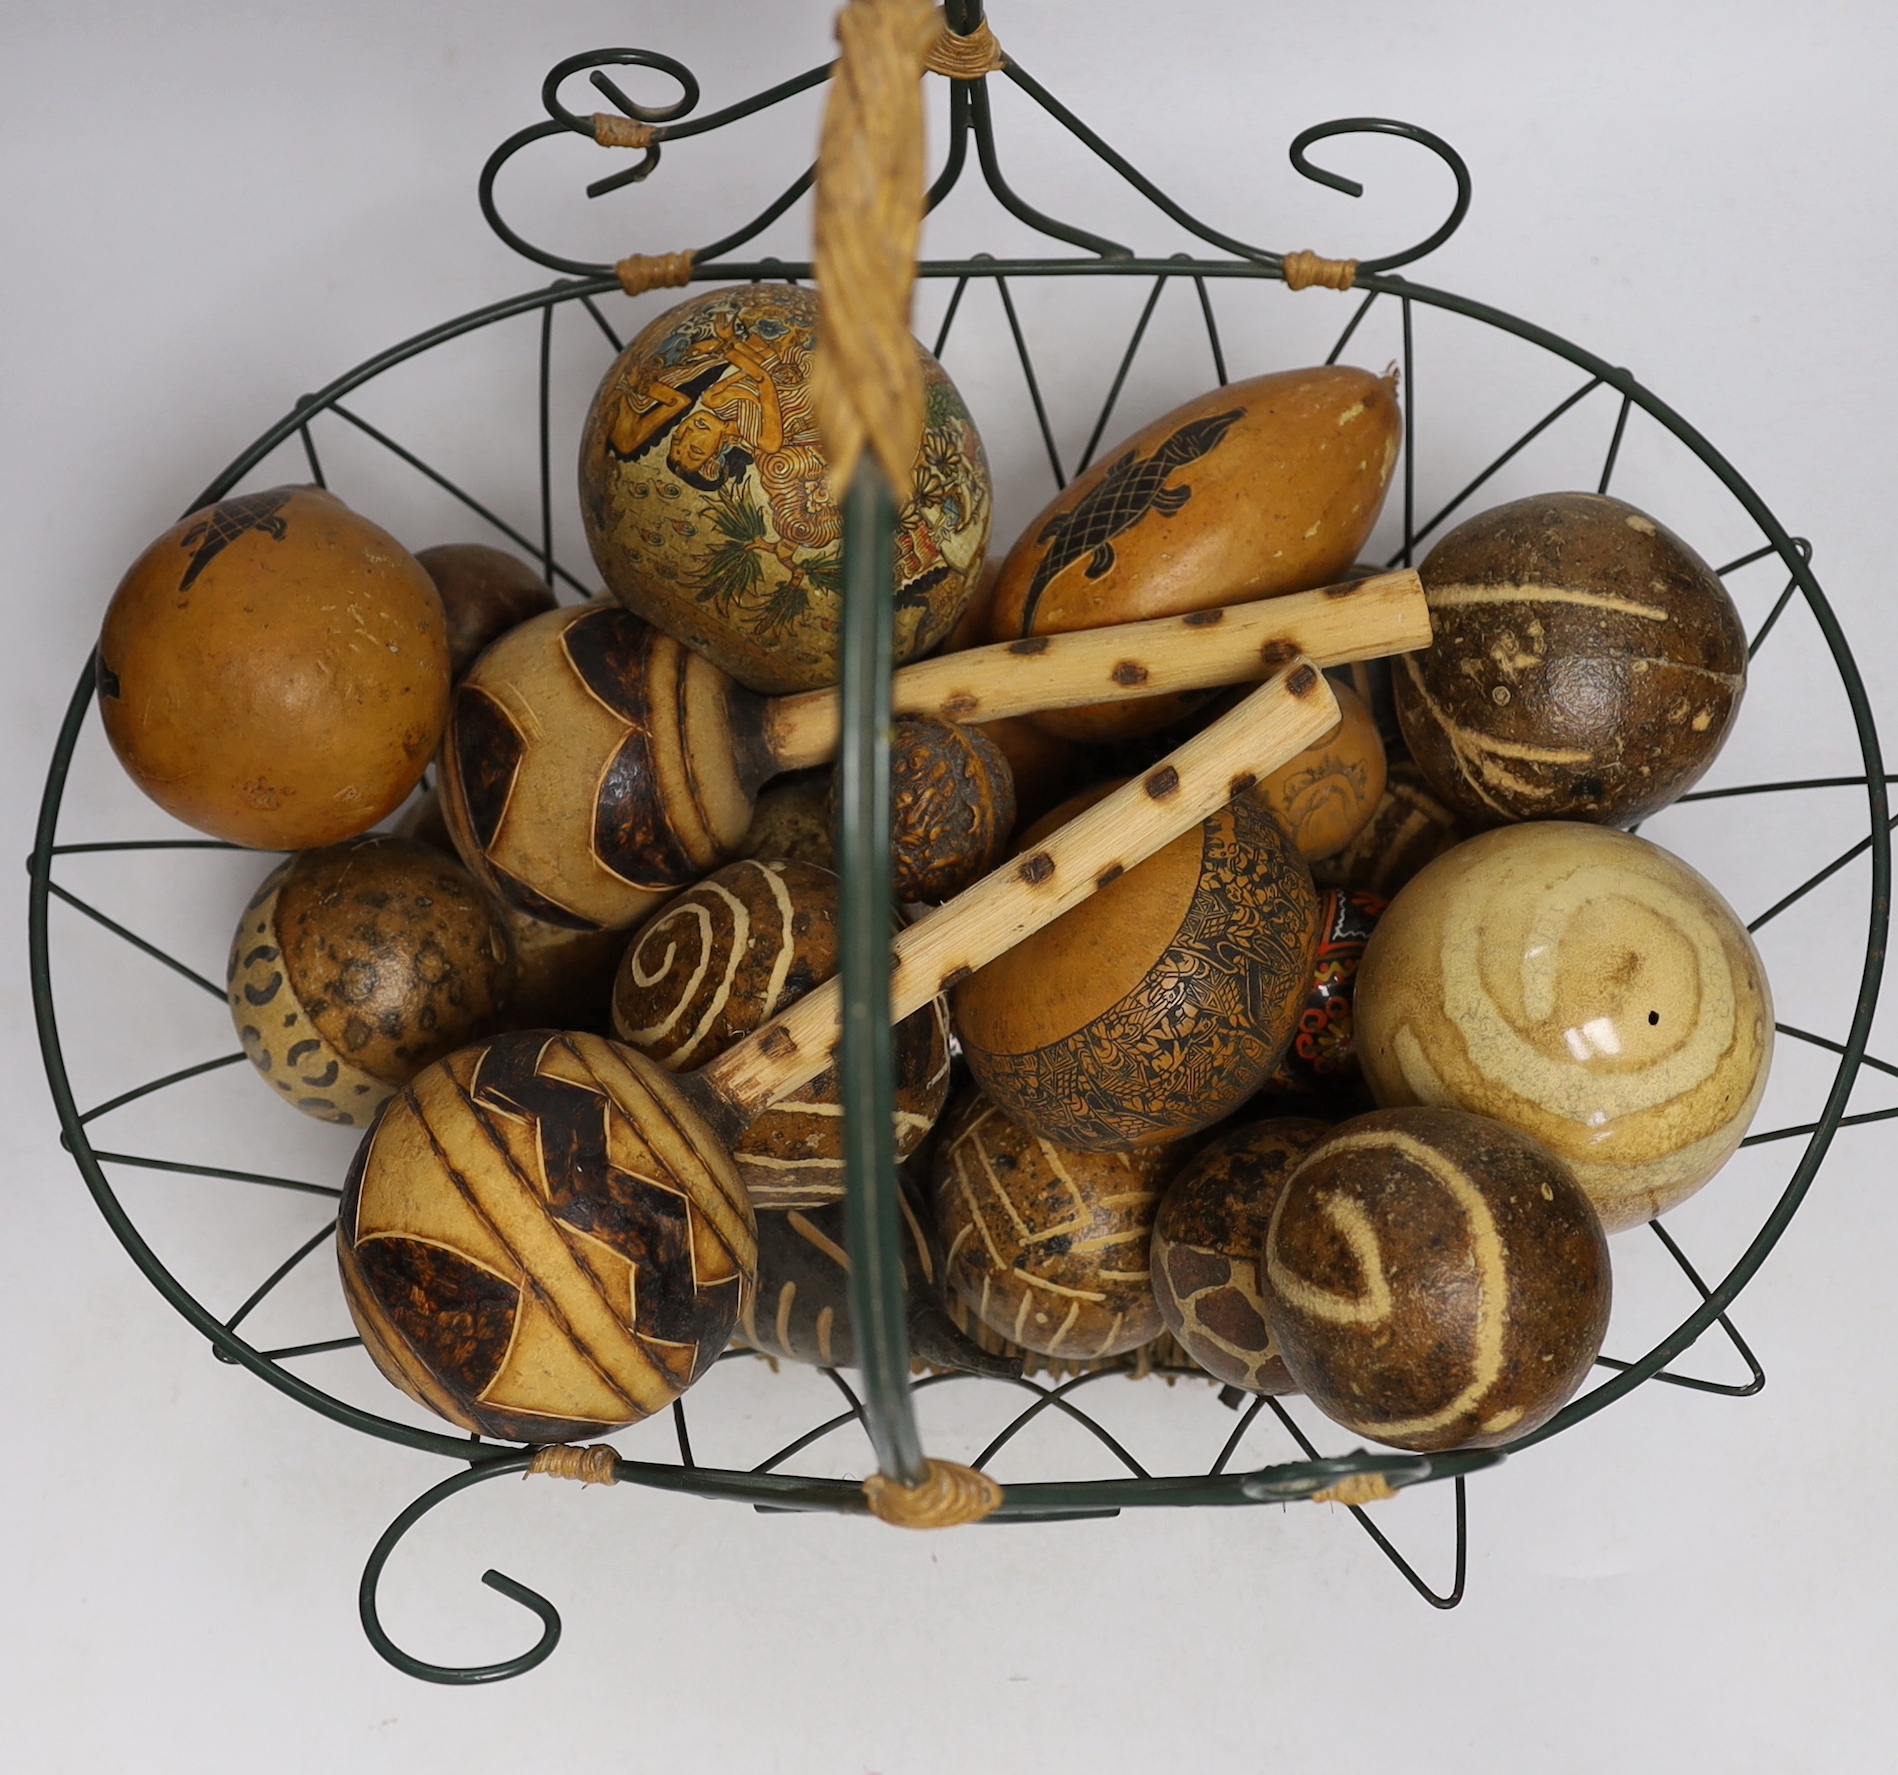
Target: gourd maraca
{"type": "Point", "coordinates": [593, 764]}
{"type": "Point", "coordinates": [1409, 827]}
{"type": "Point", "coordinates": [1209, 1248]}
{"type": "Point", "coordinates": [725, 956]}
{"type": "Point", "coordinates": [1436, 1280]}
{"type": "Point", "coordinates": [355, 965]}
{"type": "Point", "coordinates": [544, 1236]}
{"type": "Point", "coordinates": [273, 670]}
{"type": "Point", "coordinates": [1585, 986]}
{"type": "Point", "coordinates": [791, 822]}
{"type": "Point", "coordinates": [485, 592]}
{"type": "Point", "coordinates": [1587, 664]}
{"type": "Point", "coordinates": [1159, 1007]}
{"type": "Point", "coordinates": [1046, 1245]}
{"type": "Point", "coordinates": [1260, 487]}
{"type": "Point", "coordinates": [707, 500]}
{"type": "Point", "coordinates": [1323, 1048]}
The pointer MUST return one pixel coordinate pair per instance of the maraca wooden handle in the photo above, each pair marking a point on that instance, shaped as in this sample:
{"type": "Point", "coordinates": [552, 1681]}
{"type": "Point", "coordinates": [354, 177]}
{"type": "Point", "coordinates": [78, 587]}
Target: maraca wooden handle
{"type": "Point", "coordinates": [1272, 725]}
{"type": "Point", "coordinates": [1361, 619]}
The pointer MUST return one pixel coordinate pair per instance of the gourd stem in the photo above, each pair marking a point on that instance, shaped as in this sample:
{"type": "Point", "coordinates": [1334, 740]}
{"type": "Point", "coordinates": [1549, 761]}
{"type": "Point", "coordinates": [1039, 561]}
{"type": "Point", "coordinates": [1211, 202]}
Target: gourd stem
{"type": "Point", "coordinates": [866, 1057]}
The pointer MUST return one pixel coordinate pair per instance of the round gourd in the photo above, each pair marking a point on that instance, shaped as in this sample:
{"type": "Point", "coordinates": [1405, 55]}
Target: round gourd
{"type": "Point", "coordinates": [1048, 1246]}
{"type": "Point", "coordinates": [1209, 1247]}
{"type": "Point", "coordinates": [1407, 829]}
{"type": "Point", "coordinates": [792, 823]}
{"type": "Point", "coordinates": [1587, 664]}
{"type": "Point", "coordinates": [706, 492]}
{"type": "Point", "coordinates": [1327, 795]}
{"type": "Point", "coordinates": [952, 808]}
{"type": "Point", "coordinates": [356, 965]}
{"type": "Point", "coordinates": [1263, 486]}
{"type": "Point", "coordinates": [1435, 1280]}
{"type": "Point", "coordinates": [273, 670]}
{"type": "Point", "coordinates": [1159, 1006]}
{"type": "Point", "coordinates": [1323, 1049]}
{"type": "Point", "coordinates": [484, 592]}
{"type": "Point", "coordinates": [1585, 986]}
{"type": "Point", "coordinates": [535, 1244]}
{"type": "Point", "coordinates": [725, 957]}
{"type": "Point", "coordinates": [562, 979]}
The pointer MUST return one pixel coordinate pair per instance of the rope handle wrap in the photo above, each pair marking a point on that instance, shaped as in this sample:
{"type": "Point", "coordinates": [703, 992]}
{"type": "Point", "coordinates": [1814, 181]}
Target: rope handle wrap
{"type": "Point", "coordinates": [1302, 270]}
{"type": "Point", "coordinates": [949, 1497]}
{"type": "Point", "coordinates": [592, 1464]}
{"type": "Point", "coordinates": [611, 130]}
{"type": "Point", "coordinates": [964, 58]}
{"type": "Point", "coordinates": [1356, 1488]}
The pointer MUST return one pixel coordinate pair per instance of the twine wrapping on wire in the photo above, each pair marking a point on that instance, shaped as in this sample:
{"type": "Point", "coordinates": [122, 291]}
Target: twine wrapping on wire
{"type": "Point", "coordinates": [591, 1465]}
{"type": "Point", "coordinates": [867, 382]}
{"type": "Point", "coordinates": [1302, 270]}
{"type": "Point", "coordinates": [964, 58]}
{"type": "Point", "coordinates": [949, 1497]}
{"type": "Point", "coordinates": [611, 130]}
{"type": "Point", "coordinates": [640, 272]}
{"type": "Point", "coordinates": [1356, 1488]}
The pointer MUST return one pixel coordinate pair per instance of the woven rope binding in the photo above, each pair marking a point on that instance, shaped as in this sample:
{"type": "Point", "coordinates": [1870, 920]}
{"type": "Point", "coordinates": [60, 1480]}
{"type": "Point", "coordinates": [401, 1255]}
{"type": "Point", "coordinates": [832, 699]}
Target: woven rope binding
{"type": "Point", "coordinates": [949, 1497]}
{"type": "Point", "coordinates": [965, 58]}
{"type": "Point", "coordinates": [591, 1465]}
{"type": "Point", "coordinates": [1302, 270]}
{"type": "Point", "coordinates": [1356, 1488]}
{"type": "Point", "coordinates": [640, 272]}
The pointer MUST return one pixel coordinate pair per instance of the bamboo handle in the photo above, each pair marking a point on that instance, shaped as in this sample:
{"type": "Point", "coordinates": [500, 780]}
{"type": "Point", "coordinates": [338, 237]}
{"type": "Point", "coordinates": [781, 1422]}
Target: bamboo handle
{"type": "Point", "coordinates": [1274, 724]}
{"type": "Point", "coordinates": [1361, 619]}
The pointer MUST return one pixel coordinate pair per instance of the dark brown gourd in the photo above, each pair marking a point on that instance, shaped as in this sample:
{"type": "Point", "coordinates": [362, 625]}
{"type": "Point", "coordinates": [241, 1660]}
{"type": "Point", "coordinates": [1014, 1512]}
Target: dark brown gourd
{"type": "Point", "coordinates": [1587, 664]}
{"type": "Point", "coordinates": [484, 592]}
{"type": "Point", "coordinates": [1208, 1250]}
{"type": "Point", "coordinates": [1436, 1280]}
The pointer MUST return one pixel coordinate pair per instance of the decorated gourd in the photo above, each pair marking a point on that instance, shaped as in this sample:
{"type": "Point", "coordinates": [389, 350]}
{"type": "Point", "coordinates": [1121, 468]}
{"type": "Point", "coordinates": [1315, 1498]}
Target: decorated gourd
{"type": "Point", "coordinates": [1585, 986]}
{"type": "Point", "coordinates": [593, 765]}
{"type": "Point", "coordinates": [355, 965]}
{"type": "Point", "coordinates": [707, 499]}
{"type": "Point", "coordinates": [952, 808]}
{"type": "Point", "coordinates": [1208, 1250]}
{"type": "Point", "coordinates": [1047, 1245]}
{"type": "Point", "coordinates": [1587, 664]}
{"type": "Point", "coordinates": [791, 822]}
{"type": "Point", "coordinates": [273, 670]}
{"type": "Point", "coordinates": [1160, 1006]}
{"type": "Point", "coordinates": [726, 956]}
{"type": "Point", "coordinates": [544, 1236]}
{"type": "Point", "coordinates": [1436, 1280]}
{"type": "Point", "coordinates": [1327, 795]}
{"type": "Point", "coordinates": [1323, 1048]}
{"type": "Point", "coordinates": [485, 592]}
{"type": "Point", "coordinates": [1408, 828]}
{"type": "Point", "coordinates": [801, 1309]}
{"type": "Point", "coordinates": [1264, 486]}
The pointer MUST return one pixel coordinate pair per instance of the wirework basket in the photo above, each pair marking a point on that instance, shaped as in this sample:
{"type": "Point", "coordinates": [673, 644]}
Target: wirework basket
{"type": "Point", "coordinates": [882, 1401]}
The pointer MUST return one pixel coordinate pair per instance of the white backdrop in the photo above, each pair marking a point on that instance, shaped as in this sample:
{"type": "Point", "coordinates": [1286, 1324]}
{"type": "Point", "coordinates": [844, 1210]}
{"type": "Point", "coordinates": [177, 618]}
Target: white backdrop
{"type": "Point", "coordinates": [211, 208]}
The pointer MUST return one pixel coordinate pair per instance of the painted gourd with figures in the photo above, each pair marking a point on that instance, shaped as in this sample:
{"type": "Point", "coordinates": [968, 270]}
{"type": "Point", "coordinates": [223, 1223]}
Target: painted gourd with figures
{"type": "Point", "coordinates": [534, 1246]}
{"type": "Point", "coordinates": [1585, 986]}
{"type": "Point", "coordinates": [1263, 486]}
{"type": "Point", "coordinates": [707, 500]}
{"type": "Point", "coordinates": [1209, 1248]}
{"type": "Point", "coordinates": [1436, 1280]}
{"type": "Point", "coordinates": [1324, 1045]}
{"type": "Point", "coordinates": [355, 965]}
{"type": "Point", "coordinates": [725, 957]}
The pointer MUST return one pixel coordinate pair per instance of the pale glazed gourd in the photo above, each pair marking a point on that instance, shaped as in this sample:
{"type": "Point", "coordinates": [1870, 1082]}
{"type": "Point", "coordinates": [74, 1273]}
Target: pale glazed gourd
{"type": "Point", "coordinates": [1585, 986]}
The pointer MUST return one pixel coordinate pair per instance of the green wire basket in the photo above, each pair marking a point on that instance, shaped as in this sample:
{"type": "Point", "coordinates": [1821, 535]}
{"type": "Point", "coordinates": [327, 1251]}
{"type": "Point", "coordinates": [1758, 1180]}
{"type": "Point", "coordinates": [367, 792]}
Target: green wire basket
{"type": "Point", "coordinates": [882, 1402]}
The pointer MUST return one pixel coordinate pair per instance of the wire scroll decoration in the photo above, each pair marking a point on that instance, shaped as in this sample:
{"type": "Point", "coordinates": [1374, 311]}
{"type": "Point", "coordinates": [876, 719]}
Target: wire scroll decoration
{"type": "Point", "coordinates": [772, 1482]}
